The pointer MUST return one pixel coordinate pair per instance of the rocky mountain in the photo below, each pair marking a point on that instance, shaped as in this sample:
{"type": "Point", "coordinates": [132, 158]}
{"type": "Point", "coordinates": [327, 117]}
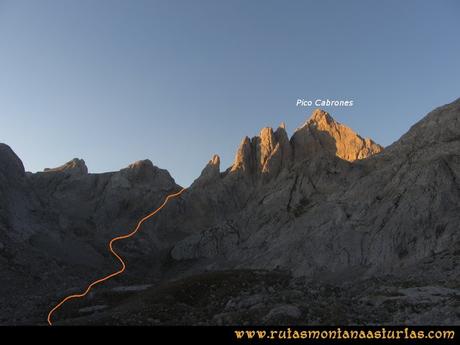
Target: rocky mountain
{"type": "Point", "coordinates": [324, 211]}
{"type": "Point", "coordinates": [272, 151]}
{"type": "Point", "coordinates": [323, 227]}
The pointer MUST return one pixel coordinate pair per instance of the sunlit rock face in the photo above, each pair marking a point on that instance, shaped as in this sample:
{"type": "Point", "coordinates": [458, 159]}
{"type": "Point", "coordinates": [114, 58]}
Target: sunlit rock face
{"type": "Point", "coordinates": [322, 133]}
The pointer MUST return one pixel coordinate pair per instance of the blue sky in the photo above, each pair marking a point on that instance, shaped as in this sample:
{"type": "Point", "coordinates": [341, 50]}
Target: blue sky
{"type": "Point", "coordinates": [176, 81]}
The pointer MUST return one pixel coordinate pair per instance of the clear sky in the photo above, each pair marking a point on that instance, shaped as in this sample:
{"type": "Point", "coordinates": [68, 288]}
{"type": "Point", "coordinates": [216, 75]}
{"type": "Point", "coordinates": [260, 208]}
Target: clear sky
{"type": "Point", "coordinates": [176, 81]}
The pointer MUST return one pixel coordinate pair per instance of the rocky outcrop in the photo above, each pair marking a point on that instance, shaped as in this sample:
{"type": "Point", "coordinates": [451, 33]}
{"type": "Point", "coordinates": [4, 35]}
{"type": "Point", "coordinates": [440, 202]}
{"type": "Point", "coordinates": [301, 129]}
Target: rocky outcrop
{"type": "Point", "coordinates": [11, 167]}
{"type": "Point", "coordinates": [210, 173]}
{"type": "Point", "coordinates": [17, 201]}
{"type": "Point", "coordinates": [264, 154]}
{"type": "Point", "coordinates": [244, 159]}
{"type": "Point", "coordinates": [74, 167]}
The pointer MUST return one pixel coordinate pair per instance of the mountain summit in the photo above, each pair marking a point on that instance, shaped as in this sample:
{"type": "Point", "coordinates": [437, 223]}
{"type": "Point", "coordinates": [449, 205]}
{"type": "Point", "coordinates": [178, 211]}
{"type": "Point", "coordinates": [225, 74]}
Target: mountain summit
{"type": "Point", "coordinates": [271, 151]}
{"type": "Point", "coordinates": [322, 132]}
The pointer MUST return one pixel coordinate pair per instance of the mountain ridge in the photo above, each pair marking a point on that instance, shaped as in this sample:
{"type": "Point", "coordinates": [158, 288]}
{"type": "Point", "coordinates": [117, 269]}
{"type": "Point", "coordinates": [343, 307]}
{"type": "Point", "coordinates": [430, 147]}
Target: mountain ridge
{"type": "Point", "coordinates": [308, 205]}
{"type": "Point", "coordinates": [267, 144]}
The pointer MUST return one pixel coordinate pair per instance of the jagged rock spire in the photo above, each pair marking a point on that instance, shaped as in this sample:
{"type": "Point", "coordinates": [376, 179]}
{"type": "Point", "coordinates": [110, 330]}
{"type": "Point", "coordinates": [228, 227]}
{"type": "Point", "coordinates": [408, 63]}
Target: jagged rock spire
{"type": "Point", "coordinates": [211, 171]}
{"type": "Point", "coordinates": [264, 154]}
{"type": "Point", "coordinates": [244, 157]}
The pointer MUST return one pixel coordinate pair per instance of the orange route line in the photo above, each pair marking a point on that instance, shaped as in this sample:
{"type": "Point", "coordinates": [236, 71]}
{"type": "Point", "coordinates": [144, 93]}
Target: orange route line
{"type": "Point", "coordinates": [123, 265]}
